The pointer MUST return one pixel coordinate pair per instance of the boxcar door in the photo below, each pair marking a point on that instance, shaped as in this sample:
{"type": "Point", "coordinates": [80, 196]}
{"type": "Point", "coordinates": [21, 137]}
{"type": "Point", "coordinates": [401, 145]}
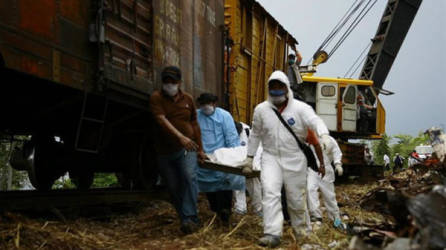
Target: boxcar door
{"type": "Point", "coordinates": [326, 103]}
{"type": "Point", "coordinates": [349, 107]}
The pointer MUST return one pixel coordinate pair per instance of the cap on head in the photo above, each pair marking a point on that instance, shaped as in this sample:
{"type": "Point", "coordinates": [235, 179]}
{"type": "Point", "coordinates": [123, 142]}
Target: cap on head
{"type": "Point", "coordinates": [207, 98]}
{"type": "Point", "coordinates": [171, 72]}
{"type": "Point", "coordinates": [291, 56]}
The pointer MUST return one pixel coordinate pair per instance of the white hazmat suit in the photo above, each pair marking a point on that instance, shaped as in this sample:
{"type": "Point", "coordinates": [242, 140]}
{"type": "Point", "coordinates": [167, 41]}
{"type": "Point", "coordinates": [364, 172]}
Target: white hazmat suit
{"type": "Point", "coordinates": [326, 184]}
{"type": "Point", "coordinates": [283, 162]}
{"type": "Point", "coordinates": [252, 184]}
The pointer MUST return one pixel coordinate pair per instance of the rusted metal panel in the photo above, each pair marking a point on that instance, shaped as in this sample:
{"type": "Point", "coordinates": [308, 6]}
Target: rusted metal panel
{"type": "Point", "coordinates": [188, 34]}
{"type": "Point", "coordinates": [38, 17]}
{"type": "Point", "coordinates": [127, 47]}
{"type": "Point", "coordinates": [259, 46]}
{"type": "Point", "coordinates": [36, 37]}
{"type": "Point", "coordinates": [80, 43]}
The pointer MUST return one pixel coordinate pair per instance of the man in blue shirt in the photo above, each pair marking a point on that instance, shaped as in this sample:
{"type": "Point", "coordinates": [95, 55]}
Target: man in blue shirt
{"type": "Point", "coordinates": [217, 131]}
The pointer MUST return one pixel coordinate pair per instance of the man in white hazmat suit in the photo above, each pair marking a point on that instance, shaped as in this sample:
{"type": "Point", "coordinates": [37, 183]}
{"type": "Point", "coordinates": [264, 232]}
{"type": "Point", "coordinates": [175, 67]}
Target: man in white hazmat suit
{"type": "Point", "coordinates": [283, 162]}
{"type": "Point", "coordinates": [326, 185]}
{"type": "Point", "coordinates": [252, 184]}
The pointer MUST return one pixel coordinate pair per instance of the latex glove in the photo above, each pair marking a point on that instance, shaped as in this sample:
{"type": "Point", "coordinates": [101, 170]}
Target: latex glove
{"type": "Point", "coordinates": [326, 142]}
{"type": "Point", "coordinates": [247, 166]}
{"type": "Point", "coordinates": [339, 169]}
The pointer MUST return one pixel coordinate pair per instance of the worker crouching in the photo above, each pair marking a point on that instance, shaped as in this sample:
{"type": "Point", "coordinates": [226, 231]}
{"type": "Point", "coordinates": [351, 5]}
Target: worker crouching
{"type": "Point", "coordinates": [283, 161]}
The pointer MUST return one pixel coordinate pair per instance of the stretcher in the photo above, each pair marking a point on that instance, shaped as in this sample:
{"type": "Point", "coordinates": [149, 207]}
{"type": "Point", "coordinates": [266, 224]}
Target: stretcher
{"type": "Point", "coordinates": [208, 164]}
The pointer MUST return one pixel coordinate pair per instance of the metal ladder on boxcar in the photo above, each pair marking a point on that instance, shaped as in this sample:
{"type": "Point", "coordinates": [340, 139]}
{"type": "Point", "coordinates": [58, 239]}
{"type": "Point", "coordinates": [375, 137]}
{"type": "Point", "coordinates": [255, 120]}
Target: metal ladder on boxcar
{"type": "Point", "coordinates": [91, 124]}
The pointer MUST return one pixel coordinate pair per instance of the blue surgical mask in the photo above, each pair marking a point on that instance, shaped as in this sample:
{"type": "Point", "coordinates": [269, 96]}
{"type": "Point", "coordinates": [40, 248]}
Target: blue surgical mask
{"type": "Point", "coordinates": [277, 92]}
{"type": "Point", "coordinates": [291, 61]}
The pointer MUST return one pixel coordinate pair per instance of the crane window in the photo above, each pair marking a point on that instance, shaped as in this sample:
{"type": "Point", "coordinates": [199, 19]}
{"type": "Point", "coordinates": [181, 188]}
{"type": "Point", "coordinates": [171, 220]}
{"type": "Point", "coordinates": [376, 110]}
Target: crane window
{"type": "Point", "coordinates": [328, 91]}
{"type": "Point", "coordinates": [350, 96]}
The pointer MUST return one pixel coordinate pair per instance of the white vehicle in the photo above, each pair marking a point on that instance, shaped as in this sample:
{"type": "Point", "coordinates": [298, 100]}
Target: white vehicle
{"type": "Point", "coordinates": [424, 151]}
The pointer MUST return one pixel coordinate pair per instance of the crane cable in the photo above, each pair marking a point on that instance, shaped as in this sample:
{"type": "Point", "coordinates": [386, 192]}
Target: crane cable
{"type": "Point", "coordinates": [357, 59]}
{"type": "Point", "coordinates": [353, 25]}
{"type": "Point", "coordinates": [357, 67]}
{"type": "Point", "coordinates": [343, 21]}
{"type": "Point", "coordinates": [340, 24]}
{"type": "Point", "coordinates": [348, 14]}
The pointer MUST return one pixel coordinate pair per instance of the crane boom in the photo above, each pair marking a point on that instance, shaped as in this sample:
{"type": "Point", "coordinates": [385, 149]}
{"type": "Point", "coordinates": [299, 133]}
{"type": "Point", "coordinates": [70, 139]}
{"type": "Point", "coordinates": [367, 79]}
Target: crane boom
{"type": "Point", "coordinates": [392, 30]}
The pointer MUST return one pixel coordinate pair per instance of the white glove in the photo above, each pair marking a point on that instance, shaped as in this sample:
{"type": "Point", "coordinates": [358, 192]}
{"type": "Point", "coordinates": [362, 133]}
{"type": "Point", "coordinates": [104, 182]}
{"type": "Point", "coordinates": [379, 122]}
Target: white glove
{"type": "Point", "coordinates": [247, 166]}
{"type": "Point", "coordinates": [326, 142]}
{"type": "Point", "coordinates": [339, 169]}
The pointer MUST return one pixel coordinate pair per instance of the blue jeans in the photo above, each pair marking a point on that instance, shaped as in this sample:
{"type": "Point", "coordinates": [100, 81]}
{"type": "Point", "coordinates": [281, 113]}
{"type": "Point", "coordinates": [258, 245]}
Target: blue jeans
{"type": "Point", "coordinates": [179, 170]}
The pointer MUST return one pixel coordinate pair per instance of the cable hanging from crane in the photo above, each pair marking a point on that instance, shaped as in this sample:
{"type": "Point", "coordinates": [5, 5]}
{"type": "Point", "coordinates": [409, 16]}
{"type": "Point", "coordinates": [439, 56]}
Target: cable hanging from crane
{"type": "Point", "coordinates": [361, 55]}
{"type": "Point", "coordinates": [321, 56]}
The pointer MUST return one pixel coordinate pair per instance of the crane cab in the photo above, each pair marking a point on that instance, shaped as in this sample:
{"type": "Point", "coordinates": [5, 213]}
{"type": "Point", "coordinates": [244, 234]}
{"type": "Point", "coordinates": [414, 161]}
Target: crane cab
{"type": "Point", "coordinates": [350, 108]}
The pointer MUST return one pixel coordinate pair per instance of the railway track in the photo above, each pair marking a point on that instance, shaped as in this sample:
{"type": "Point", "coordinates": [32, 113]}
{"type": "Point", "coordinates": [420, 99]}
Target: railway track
{"type": "Point", "coordinates": [60, 199]}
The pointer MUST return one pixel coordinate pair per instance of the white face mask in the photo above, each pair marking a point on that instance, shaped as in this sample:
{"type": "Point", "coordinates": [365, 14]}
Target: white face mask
{"type": "Point", "coordinates": [277, 99]}
{"type": "Point", "coordinates": [207, 109]}
{"type": "Point", "coordinates": [170, 88]}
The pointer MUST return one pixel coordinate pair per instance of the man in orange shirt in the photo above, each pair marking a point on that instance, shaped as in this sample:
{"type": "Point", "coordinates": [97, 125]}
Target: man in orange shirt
{"type": "Point", "coordinates": [178, 143]}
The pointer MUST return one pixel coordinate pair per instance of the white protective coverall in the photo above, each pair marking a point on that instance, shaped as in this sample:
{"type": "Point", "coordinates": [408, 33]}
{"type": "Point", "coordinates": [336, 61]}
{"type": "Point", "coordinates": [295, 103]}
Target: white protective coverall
{"type": "Point", "coordinates": [252, 184]}
{"type": "Point", "coordinates": [326, 184]}
{"type": "Point", "coordinates": [283, 162]}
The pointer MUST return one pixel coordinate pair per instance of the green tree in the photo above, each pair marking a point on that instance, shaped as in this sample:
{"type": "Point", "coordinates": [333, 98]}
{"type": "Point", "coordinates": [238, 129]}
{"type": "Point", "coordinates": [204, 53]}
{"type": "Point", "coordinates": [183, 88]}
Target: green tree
{"type": "Point", "coordinates": [9, 178]}
{"type": "Point", "coordinates": [380, 148]}
{"type": "Point", "coordinates": [104, 180]}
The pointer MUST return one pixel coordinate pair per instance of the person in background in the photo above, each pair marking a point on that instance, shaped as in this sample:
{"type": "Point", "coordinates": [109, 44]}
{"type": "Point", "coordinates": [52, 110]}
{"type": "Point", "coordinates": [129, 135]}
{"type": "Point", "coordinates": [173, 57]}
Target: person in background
{"type": "Point", "coordinates": [294, 76]}
{"type": "Point", "coordinates": [283, 161]}
{"type": "Point", "coordinates": [326, 186]}
{"type": "Point", "coordinates": [253, 185]}
{"type": "Point", "coordinates": [398, 162]}
{"type": "Point", "coordinates": [386, 160]}
{"type": "Point", "coordinates": [414, 158]}
{"type": "Point", "coordinates": [363, 113]}
{"type": "Point", "coordinates": [217, 131]}
{"type": "Point", "coordinates": [368, 156]}
{"type": "Point", "coordinates": [179, 141]}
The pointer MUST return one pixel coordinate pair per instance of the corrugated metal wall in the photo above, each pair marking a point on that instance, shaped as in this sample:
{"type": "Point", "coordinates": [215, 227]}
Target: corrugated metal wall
{"type": "Point", "coordinates": [60, 41]}
{"type": "Point", "coordinates": [189, 34]}
{"type": "Point", "coordinates": [48, 39]}
{"type": "Point", "coordinates": [260, 46]}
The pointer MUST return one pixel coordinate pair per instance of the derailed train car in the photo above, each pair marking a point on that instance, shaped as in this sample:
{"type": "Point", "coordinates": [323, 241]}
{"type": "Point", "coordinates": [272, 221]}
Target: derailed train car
{"type": "Point", "coordinates": [76, 75]}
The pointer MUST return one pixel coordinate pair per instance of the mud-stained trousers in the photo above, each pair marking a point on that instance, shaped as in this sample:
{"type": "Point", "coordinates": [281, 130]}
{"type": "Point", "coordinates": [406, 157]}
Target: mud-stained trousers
{"type": "Point", "coordinates": [273, 176]}
{"type": "Point", "coordinates": [328, 195]}
{"type": "Point", "coordinates": [253, 187]}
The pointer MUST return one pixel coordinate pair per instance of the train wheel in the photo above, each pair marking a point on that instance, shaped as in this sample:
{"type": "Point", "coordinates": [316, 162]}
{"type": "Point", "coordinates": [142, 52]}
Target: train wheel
{"type": "Point", "coordinates": [136, 161]}
{"type": "Point", "coordinates": [40, 171]}
{"type": "Point", "coordinates": [82, 180]}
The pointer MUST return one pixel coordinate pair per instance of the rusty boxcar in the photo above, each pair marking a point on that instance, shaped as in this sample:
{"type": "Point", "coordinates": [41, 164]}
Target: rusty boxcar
{"type": "Point", "coordinates": [77, 75]}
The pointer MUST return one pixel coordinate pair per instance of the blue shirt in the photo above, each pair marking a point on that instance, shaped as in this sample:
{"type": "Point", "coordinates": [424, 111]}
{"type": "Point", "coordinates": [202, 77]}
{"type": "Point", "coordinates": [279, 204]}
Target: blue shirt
{"type": "Point", "coordinates": [218, 131]}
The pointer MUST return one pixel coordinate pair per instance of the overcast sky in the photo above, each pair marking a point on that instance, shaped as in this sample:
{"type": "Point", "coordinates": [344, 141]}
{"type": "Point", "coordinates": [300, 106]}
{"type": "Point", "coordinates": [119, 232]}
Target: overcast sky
{"type": "Point", "coordinates": [417, 75]}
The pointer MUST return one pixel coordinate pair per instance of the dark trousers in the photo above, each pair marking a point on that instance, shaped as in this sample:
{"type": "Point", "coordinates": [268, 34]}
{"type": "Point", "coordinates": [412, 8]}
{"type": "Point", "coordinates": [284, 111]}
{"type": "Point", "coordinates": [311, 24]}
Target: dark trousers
{"type": "Point", "coordinates": [221, 203]}
{"type": "Point", "coordinates": [180, 173]}
{"type": "Point", "coordinates": [397, 167]}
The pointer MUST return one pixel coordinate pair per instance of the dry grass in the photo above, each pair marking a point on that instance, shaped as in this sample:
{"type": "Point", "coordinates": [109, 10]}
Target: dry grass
{"type": "Point", "coordinates": [156, 227]}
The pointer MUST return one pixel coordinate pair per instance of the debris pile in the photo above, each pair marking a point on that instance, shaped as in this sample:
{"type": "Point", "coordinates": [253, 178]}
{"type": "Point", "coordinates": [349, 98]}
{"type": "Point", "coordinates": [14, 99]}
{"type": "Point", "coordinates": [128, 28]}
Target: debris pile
{"type": "Point", "coordinates": [413, 206]}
